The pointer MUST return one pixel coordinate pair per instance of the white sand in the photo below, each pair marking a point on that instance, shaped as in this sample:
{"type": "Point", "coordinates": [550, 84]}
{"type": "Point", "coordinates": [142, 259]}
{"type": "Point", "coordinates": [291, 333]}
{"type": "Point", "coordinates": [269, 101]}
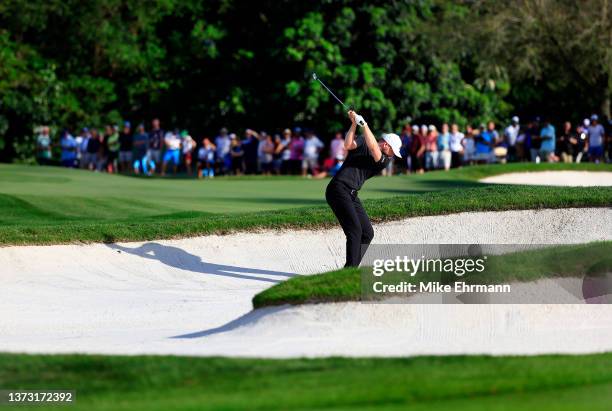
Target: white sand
{"type": "Point", "coordinates": [554, 178]}
{"type": "Point", "coordinates": [133, 298]}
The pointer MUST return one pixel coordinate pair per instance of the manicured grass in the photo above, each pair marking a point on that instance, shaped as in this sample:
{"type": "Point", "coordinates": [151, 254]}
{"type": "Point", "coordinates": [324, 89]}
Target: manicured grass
{"type": "Point", "coordinates": [45, 205]}
{"type": "Point", "coordinates": [347, 285]}
{"type": "Point", "coordinates": [543, 383]}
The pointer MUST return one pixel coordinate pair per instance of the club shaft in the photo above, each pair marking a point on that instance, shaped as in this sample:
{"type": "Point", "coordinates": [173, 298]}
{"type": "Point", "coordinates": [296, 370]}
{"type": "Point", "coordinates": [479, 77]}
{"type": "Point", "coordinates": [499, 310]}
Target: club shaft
{"type": "Point", "coordinates": [331, 92]}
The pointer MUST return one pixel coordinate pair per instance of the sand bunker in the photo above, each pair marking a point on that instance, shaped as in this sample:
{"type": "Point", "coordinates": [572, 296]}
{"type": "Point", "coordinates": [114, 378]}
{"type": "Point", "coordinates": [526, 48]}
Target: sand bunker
{"type": "Point", "coordinates": [554, 178]}
{"type": "Point", "coordinates": [193, 296]}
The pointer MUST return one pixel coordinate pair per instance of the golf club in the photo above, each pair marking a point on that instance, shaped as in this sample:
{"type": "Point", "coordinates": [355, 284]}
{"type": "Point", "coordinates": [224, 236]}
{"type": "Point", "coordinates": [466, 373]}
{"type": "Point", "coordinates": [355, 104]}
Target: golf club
{"type": "Point", "coordinates": [314, 76]}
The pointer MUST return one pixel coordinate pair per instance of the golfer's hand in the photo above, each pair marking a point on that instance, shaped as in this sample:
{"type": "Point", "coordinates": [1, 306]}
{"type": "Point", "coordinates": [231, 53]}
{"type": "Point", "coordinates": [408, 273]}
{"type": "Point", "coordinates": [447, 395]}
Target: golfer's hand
{"type": "Point", "coordinates": [356, 118]}
{"type": "Point", "coordinates": [352, 115]}
{"type": "Point", "coordinates": [360, 121]}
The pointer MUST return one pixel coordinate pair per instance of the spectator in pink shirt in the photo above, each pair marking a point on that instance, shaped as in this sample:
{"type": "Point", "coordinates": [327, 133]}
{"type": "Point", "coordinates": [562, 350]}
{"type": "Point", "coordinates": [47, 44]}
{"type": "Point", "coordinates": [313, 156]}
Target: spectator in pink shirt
{"type": "Point", "coordinates": [431, 148]}
{"type": "Point", "coordinates": [337, 146]}
{"type": "Point", "coordinates": [296, 149]}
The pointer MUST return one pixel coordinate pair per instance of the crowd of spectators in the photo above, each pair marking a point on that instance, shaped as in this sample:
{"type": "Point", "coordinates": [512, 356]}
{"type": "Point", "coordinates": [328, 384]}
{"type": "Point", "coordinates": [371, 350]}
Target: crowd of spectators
{"type": "Point", "coordinates": [301, 152]}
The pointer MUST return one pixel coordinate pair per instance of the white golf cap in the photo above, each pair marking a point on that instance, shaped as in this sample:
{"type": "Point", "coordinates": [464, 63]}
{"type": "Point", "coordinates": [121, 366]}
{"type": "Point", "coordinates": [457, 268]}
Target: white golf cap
{"type": "Point", "coordinates": [515, 119]}
{"type": "Point", "coordinates": [415, 128]}
{"type": "Point", "coordinates": [395, 142]}
{"type": "Point", "coordinates": [586, 122]}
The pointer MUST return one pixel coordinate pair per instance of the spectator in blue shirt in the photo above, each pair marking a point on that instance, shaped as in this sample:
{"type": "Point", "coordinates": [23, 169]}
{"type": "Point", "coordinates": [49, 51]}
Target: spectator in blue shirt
{"type": "Point", "coordinates": [547, 147]}
{"type": "Point", "coordinates": [596, 139]}
{"type": "Point", "coordinates": [444, 147]}
{"type": "Point", "coordinates": [69, 149]}
{"type": "Point", "coordinates": [485, 142]}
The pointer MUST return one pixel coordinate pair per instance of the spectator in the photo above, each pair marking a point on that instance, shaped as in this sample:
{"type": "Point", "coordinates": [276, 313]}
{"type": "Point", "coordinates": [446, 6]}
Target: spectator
{"type": "Point", "coordinates": [444, 147]}
{"type": "Point", "coordinates": [406, 138]}
{"type": "Point", "coordinates": [431, 148]}
{"type": "Point", "coordinates": [142, 162]}
{"type": "Point", "coordinates": [125, 148]}
{"type": "Point", "coordinates": [456, 146]}
{"type": "Point", "coordinates": [263, 136]}
{"type": "Point", "coordinates": [43, 147]}
{"type": "Point", "coordinates": [187, 146]}
{"type": "Point", "coordinates": [102, 153]}
{"type": "Point", "coordinates": [485, 143]}
{"type": "Point", "coordinates": [336, 148]}
{"type": "Point", "coordinates": [609, 144]}
{"type": "Point", "coordinates": [267, 154]}
{"type": "Point", "coordinates": [330, 167]}
{"type": "Point", "coordinates": [69, 146]}
{"type": "Point", "coordinates": [250, 147]}
{"type": "Point", "coordinates": [312, 147]}
{"type": "Point", "coordinates": [533, 140]}
{"type": "Point", "coordinates": [547, 147]}
{"type": "Point", "coordinates": [93, 147]}
{"type": "Point", "coordinates": [510, 138]}
{"type": "Point", "coordinates": [469, 145]}
{"type": "Point", "coordinates": [156, 137]}
{"type": "Point", "coordinates": [417, 149]}
{"type": "Point", "coordinates": [568, 143]}
{"type": "Point", "coordinates": [296, 148]}
{"type": "Point", "coordinates": [85, 156]}
{"type": "Point", "coordinates": [173, 152]}
{"type": "Point", "coordinates": [206, 159]}
{"type": "Point", "coordinates": [284, 149]}
{"type": "Point", "coordinates": [595, 145]}
{"type": "Point", "coordinates": [277, 161]}
{"type": "Point", "coordinates": [237, 155]}
{"type": "Point", "coordinates": [112, 141]}
{"type": "Point", "coordinates": [223, 158]}
{"type": "Point", "coordinates": [582, 132]}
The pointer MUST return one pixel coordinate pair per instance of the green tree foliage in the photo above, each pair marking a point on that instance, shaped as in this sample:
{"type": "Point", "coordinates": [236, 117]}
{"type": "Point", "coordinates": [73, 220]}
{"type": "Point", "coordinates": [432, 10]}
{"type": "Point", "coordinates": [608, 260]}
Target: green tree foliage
{"type": "Point", "coordinates": [204, 64]}
{"type": "Point", "coordinates": [556, 53]}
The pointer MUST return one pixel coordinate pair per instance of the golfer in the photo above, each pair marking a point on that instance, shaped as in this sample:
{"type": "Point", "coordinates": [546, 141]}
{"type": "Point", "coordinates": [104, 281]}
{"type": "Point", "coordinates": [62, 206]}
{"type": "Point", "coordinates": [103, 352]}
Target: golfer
{"type": "Point", "coordinates": [366, 158]}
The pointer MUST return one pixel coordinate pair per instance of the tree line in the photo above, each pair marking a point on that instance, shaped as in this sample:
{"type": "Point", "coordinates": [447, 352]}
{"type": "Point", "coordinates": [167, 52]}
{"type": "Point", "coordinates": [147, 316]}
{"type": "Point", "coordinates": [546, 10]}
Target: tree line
{"type": "Point", "coordinates": [206, 64]}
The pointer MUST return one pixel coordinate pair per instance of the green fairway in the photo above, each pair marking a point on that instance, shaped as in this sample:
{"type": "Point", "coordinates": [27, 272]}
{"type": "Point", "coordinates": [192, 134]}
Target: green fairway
{"type": "Point", "coordinates": [49, 205]}
{"type": "Point", "coordinates": [422, 383]}
{"type": "Point", "coordinates": [348, 284]}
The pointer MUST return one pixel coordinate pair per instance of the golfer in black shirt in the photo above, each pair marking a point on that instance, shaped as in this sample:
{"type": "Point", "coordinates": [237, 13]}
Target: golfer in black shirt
{"type": "Point", "coordinates": [366, 158]}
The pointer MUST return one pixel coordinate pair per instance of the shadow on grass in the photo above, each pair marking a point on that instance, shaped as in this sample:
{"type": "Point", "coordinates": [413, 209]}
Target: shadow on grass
{"type": "Point", "coordinates": [178, 258]}
{"type": "Point", "coordinates": [426, 186]}
{"type": "Point", "coordinates": [280, 200]}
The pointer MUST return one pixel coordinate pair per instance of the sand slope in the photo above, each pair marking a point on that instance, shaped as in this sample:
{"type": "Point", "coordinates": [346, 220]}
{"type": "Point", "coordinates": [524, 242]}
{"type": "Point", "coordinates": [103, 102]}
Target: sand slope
{"type": "Point", "coordinates": [173, 297]}
{"type": "Point", "coordinates": [554, 178]}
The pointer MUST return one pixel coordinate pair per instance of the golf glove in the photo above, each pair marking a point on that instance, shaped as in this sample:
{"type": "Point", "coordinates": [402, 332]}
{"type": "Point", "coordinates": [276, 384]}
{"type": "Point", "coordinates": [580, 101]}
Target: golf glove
{"type": "Point", "coordinates": [359, 120]}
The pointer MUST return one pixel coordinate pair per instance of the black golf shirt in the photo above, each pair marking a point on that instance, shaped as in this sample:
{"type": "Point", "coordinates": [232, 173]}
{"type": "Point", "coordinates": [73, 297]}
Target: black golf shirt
{"type": "Point", "coordinates": [359, 166]}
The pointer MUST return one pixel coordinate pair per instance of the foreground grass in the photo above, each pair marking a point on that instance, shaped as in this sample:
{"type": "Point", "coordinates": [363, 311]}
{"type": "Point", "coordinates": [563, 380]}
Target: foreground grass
{"type": "Point", "coordinates": [347, 285]}
{"type": "Point", "coordinates": [43, 205]}
{"type": "Point", "coordinates": [423, 383]}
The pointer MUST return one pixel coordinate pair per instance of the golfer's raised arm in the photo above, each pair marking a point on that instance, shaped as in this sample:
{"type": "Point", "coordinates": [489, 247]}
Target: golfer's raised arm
{"type": "Point", "coordinates": [349, 138]}
{"type": "Point", "coordinates": [370, 141]}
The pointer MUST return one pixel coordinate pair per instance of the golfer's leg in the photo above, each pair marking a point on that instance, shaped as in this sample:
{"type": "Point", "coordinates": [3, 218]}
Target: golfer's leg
{"type": "Point", "coordinates": [367, 232]}
{"type": "Point", "coordinates": [341, 204]}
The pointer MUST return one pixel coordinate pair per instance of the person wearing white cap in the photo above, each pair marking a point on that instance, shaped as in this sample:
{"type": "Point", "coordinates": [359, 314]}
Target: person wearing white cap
{"type": "Point", "coordinates": [366, 158]}
{"type": "Point", "coordinates": [510, 136]}
{"type": "Point", "coordinates": [595, 143]}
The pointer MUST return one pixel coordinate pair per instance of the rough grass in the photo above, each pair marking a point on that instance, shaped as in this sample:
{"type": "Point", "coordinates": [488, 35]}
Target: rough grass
{"type": "Point", "coordinates": [542, 383]}
{"type": "Point", "coordinates": [348, 284]}
{"type": "Point", "coordinates": [43, 205]}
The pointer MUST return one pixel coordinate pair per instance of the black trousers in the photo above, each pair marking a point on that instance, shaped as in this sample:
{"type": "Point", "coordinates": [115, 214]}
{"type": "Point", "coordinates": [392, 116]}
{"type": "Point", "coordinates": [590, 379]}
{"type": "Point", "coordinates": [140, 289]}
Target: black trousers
{"type": "Point", "coordinates": [353, 218]}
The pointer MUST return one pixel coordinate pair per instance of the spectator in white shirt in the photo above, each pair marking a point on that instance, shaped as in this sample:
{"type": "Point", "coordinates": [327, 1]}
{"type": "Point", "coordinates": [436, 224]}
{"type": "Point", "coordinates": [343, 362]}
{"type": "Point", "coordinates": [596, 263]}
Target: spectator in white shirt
{"type": "Point", "coordinates": [456, 146]}
{"type": "Point", "coordinates": [510, 138]}
{"type": "Point", "coordinates": [312, 146]}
